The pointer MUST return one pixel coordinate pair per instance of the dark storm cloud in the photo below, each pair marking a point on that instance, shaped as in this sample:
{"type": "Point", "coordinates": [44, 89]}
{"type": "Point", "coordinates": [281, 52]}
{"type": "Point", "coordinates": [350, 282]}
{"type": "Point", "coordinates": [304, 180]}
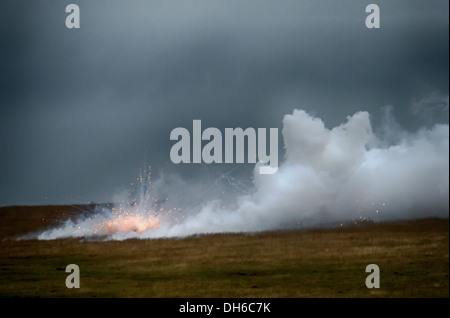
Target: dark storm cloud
{"type": "Point", "coordinates": [83, 110]}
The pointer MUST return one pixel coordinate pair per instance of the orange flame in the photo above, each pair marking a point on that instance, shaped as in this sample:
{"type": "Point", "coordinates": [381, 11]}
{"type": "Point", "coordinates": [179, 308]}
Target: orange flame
{"type": "Point", "coordinates": [132, 223]}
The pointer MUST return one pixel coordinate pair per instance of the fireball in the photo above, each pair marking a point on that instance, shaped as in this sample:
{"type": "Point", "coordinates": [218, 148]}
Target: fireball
{"type": "Point", "coordinates": [132, 223]}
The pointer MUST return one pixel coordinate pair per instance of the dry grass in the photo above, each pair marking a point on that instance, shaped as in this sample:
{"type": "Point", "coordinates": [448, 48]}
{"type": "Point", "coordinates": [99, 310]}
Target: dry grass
{"type": "Point", "coordinates": [413, 257]}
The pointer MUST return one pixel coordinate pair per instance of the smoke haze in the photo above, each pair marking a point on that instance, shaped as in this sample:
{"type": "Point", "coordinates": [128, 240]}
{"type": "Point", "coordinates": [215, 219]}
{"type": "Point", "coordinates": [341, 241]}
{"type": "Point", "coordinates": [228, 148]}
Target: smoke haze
{"type": "Point", "coordinates": [81, 111]}
{"type": "Point", "coordinates": [329, 176]}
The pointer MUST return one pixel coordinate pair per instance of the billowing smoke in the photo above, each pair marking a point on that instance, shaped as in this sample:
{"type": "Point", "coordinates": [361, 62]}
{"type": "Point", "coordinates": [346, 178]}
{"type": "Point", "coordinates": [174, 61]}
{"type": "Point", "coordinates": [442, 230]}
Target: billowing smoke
{"type": "Point", "coordinates": [328, 177]}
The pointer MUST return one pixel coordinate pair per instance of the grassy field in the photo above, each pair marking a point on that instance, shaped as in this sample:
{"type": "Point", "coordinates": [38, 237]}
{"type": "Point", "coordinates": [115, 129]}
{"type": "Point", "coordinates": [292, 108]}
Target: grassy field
{"type": "Point", "coordinates": [413, 257]}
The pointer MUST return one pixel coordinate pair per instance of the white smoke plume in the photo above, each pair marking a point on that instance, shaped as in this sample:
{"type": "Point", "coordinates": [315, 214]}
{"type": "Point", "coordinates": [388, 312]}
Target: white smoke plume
{"type": "Point", "coordinates": [328, 177]}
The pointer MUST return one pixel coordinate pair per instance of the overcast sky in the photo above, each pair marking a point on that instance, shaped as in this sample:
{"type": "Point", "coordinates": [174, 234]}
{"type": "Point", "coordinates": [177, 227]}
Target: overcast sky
{"type": "Point", "coordinates": [82, 110]}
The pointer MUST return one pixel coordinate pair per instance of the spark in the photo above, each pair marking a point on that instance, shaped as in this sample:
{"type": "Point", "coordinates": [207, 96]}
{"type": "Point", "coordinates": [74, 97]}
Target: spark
{"type": "Point", "coordinates": [139, 212]}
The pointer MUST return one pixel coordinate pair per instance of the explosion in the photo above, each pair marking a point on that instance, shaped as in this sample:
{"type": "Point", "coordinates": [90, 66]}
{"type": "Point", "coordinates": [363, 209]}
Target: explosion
{"type": "Point", "coordinates": [132, 223]}
{"type": "Point", "coordinates": [328, 177]}
{"type": "Point", "coordinates": [138, 213]}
